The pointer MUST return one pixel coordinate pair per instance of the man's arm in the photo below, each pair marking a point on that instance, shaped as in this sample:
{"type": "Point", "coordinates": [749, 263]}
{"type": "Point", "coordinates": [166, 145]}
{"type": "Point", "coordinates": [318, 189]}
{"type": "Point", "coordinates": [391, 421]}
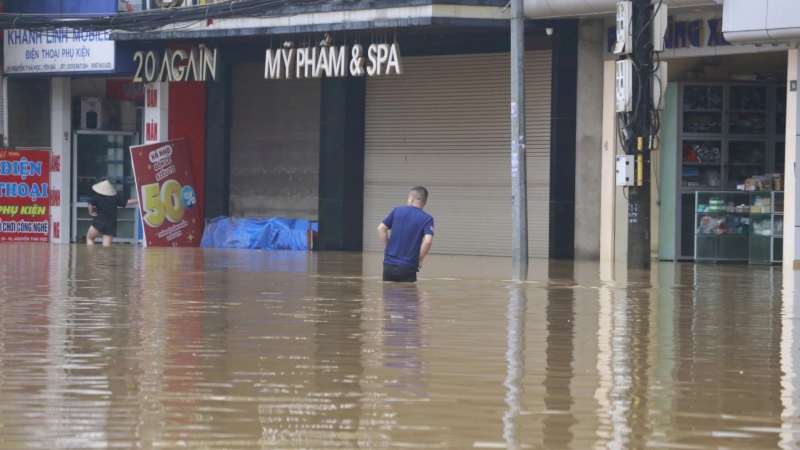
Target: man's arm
{"type": "Point", "coordinates": [426, 246]}
{"type": "Point", "coordinates": [133, 201]}
{"type": "Point", "coordinates": [383, 233]}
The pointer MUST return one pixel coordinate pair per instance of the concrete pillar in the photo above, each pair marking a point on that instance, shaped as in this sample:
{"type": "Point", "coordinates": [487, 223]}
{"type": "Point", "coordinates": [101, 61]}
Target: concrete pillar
{"type": "Point", "coordinates": [791, 254]}
{"type": "Point", "coordinates": [156, 112]}
{"type": "Point", "coordinates": [562, 139]}
{"type": "Point", "coordinates": [589, 130]}
{"type": "Point", "coordinates": [608, 189]}
{"type": "Point", "coordinates": [341, 164]}
{"type": "Point", "coordinates": [60, 160]}
{"type": "Point", "coordinates": [218, 134]}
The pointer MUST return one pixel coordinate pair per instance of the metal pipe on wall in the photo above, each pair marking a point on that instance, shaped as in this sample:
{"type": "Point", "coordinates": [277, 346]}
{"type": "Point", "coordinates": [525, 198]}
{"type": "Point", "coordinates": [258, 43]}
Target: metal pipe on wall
{"type": "Point", "coordinates": [519, 177]}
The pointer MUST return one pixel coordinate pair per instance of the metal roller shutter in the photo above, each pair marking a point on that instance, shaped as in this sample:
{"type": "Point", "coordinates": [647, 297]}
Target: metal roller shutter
{"type": "Point", "coordinates": [274, 145]}
{"type": "Point", "coordinates": [444, 124]}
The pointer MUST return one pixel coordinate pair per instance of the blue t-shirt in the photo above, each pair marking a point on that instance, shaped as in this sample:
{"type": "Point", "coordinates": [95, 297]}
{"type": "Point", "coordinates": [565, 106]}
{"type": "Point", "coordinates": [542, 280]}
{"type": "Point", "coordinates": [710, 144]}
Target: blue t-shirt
{"type": "Point", "coordinates": [409, 226]}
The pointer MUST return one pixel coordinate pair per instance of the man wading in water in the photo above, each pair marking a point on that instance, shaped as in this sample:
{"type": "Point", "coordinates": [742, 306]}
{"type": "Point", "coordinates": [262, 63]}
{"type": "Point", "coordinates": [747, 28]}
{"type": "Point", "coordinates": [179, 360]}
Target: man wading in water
{"type": "Point", "coordinates": [412, 236]}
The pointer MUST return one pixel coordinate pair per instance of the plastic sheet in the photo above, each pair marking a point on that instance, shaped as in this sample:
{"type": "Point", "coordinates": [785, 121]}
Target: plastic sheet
{"type": "Point", "coordinates": [267, 234]}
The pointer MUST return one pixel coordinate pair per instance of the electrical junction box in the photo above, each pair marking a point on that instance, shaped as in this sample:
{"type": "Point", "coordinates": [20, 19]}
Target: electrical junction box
{"type": "Point", "coordinates": [659, 27]}
{"type": "Point", "coordinates": [624, 85]}
{"type": "Point", "coordinates": [625, 170]}
{"type": "Point", "coordinates": [624, 43]}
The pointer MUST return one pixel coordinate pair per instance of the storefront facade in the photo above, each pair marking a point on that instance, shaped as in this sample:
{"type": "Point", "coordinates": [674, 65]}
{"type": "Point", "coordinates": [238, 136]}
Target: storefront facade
{"type": "Point", "coordinates": [53, 82]}
{"type": "Point", "coordinates": [89, 118]}
{"type": "Point", "coordinates": [344, 150]}
{"type": "Point", "coordinates": [723, 123]}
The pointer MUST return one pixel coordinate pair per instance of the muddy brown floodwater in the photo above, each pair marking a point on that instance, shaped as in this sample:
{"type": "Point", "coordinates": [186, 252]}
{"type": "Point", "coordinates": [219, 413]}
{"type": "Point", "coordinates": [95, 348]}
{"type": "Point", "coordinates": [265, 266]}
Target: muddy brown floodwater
{"type": "Point", "coordinates": [165, 348]}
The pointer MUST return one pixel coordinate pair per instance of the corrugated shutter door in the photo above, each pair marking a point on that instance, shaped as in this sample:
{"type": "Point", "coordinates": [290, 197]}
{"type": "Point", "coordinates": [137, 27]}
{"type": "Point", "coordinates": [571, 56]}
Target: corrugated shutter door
{"type": "Point", "coordinates": [445, 124]}
{"type": "Point", "coordinates": [274, 145]}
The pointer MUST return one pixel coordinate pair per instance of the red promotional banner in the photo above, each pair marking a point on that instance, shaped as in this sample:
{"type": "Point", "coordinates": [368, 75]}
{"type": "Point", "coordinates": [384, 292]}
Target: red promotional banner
{"type": "Point", "coordinates": [24, 196]}
{"type": "Point", "coordinates": [167, 199]}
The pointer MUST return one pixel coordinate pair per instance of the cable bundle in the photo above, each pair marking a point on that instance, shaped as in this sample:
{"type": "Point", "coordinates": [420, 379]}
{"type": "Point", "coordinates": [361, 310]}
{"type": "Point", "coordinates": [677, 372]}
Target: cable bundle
{"type": "Point", "coordinates": [153, 19]}
{"type": "Point", "coordinates": [646, 74]}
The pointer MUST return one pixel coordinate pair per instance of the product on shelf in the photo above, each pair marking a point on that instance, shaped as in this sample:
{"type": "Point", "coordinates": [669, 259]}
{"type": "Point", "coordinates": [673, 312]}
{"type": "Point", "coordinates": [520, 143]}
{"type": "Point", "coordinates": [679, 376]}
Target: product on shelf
{"type": "Point", "coordinates": [748, 98]}
{"type": "Point", "coordinates": [778, 228]}
{"type": "Point", "coordinates": [702, 123]}
{"type": "Point", "coordinates": [691, 174]}
{"type": "Point", "coordinates": [747, 123]}
{"type": "Point", "coordinates": [763, 228]}
{"type": "Point", "coordinates": [702, 97]}
{"type": "Point", "coordinates": [710, 178]}
{"type": "Point", "coordinates": [727, 224]}
{"type": "Point", "coordinates": [747, 152]}
{"type": "Point", "coordinates": [702, 151]}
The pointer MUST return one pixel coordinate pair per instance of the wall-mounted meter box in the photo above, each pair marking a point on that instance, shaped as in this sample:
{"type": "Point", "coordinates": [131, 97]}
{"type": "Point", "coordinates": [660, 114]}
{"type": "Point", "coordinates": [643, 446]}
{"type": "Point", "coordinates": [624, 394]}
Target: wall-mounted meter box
{"type": "Point", "coordinates": [659, 27]}
{"type": "Point", "coordinates": [624, 43]}
{"type": "Point", "coordinates": [625, 170]}
{"type": "Point", "coordinates": [624, 85]}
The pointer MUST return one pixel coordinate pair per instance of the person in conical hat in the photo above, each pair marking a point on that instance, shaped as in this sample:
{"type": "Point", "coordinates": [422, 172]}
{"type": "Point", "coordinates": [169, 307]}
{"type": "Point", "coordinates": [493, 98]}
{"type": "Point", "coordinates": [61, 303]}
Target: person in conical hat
{"type": "Point", "coordinates": [103, 208]}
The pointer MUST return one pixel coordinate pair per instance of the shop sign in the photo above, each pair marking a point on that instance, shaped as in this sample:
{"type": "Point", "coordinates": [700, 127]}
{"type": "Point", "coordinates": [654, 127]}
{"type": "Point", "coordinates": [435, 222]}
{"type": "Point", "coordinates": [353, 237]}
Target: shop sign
{"type": "Point", "coordinates": [124, 90]}
{"type": "Point", "coordinates": [685, 34]}
{"type": "Point", "coordinates": [175, 65]}
{"type": "Point", "coordinates": [24, 195]}
{"type": "Point", "coordinates": [167, 199]}
{"type": "Point", "coordinates": [62, 50]}
{"type": "Point", "coordinates": [333, 61]}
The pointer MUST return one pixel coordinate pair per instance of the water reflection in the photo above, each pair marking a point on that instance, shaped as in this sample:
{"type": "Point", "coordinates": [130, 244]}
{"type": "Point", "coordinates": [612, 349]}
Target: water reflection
{"type": "Point", "coordinates": [337, 357]}
{"type": "Point", "coordinates": [123, 347]}
{"type": "Point", "coordinates": [403, 338]}
{"type": "Point", "coordinates": [728, 363]}
{"type": "Point", "coordinates": [515, 355]}
{"type": "Point", "coordinates": [560, 313]}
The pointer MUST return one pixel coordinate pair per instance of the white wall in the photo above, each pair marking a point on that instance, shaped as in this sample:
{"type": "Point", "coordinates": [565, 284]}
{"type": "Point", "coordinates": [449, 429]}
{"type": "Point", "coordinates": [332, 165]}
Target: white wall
{"type": "Point", "coordinates": [61, 160]}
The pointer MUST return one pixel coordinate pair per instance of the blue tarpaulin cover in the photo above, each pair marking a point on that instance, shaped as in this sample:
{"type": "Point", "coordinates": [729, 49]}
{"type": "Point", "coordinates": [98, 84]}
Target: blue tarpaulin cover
{"type": "Point", "coordinates": [268, 234]}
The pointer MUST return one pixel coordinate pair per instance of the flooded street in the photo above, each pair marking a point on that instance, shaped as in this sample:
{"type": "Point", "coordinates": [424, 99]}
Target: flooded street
{"type": "Point", "coordinates": [164, 348]}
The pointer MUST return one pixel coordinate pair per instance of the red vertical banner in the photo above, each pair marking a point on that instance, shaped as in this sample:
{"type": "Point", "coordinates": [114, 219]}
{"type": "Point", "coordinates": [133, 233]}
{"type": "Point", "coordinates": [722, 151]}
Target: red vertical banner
{"type": "Point", "coordinates": [24, 196]}
{"type": "Point", "coordinates": [167, 197]}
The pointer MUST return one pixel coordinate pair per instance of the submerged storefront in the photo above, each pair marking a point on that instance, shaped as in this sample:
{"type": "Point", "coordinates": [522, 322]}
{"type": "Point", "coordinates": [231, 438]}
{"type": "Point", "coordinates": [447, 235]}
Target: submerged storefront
{"type": "Point", "coordinates": [441, 123]}
{"type": "Point", "coordinates": [56, 85]}
{"type": "Point", "coordinates": [307, 137]}
{"type": "Point", "coordinates": [88, 119]}
{"type": "Point", "coordinates": [723, 129]}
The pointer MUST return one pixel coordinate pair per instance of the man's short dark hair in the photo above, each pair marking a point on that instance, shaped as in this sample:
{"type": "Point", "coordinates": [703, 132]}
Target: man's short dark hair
{"type": "Point", "coordinates": [420, 193]}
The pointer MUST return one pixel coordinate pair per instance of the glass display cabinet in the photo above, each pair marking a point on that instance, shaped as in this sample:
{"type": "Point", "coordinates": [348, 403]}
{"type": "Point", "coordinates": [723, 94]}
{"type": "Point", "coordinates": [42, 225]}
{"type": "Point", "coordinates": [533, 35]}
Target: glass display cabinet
{"type": "Point", "coordinates": [766, 234]}
{"type": "Point", "coordinates": [722, 226]}
{"type": "Point", "coordinates": [739, 226]}
{"type": "Point", "coordinates": [725, 134]}
{"type": "Point", "coordinates": [99, 156]}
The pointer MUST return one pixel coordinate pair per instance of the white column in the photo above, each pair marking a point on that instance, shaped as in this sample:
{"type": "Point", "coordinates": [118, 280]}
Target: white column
{"type": "Point", "coordinates": [608, 178]}
{"type": "Point", "coordinates": [60, 160]}
{"type": "Point", "coordinates": [156, 113]}
{"type": "Point", "coordinates": [790, 250]}
{"type": "Point", "coordinates": [790, 352]}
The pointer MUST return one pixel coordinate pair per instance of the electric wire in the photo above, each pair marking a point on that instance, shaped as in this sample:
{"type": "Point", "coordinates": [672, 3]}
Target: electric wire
{"type": "Point", "coordinates": [645, 79]}
{"type": "Point", "coordinates": [155, 19]}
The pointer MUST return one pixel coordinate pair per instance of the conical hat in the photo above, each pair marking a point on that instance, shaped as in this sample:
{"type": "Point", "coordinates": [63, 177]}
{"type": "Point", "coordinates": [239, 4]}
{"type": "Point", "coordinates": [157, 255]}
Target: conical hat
{"type": "Point", "coordinates": [104, 188]}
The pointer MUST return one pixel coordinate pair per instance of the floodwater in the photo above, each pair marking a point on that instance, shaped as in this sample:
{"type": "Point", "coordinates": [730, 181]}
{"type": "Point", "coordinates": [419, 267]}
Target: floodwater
{"type": "Point", "coordinates": [167, 348]}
